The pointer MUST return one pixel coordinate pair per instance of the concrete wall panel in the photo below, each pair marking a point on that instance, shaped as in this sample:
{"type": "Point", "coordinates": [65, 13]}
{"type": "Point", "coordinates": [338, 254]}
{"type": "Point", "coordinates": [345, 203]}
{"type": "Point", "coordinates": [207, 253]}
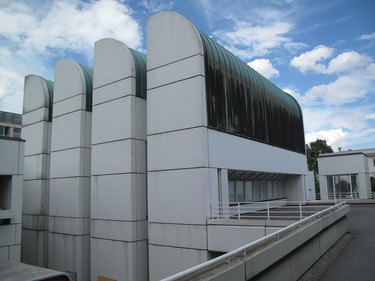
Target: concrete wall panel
{"type": "Point", "coordinates": [178, 150]}
{"type": "Point", "coordinates": [70, 253]}
{"type": "Point", "coordinates": [166, 190]}
{"type": "Point", "coordinates": [69, 131]}
{"type": "Point", "coordinates": [9, 165]}
{"type": "Point", "coordinates": [37, 138]}
{"type": "Point", "coordinates": [70, 163]}
{"type": "Point", "coordinates": [233, 152]}
{"type": "Point", "coordinates": [37, 167]}
{"type": "Point", "coordinates": [177, 235]}
{"type": "Point", "coordinates": [119, 260]}
{"type": "Point", "coordinates": [119, 230]}
{"type": "Point", "coordinates": [174, 260]}
{"type": "Point", "coordinates": [177, 71]}
{"type": "Point", "coordinates": [70, 197]}
{"type": "Point", "coordinates": [186, 111]}
{"type": "Point", "coordinates": [69, 225]}
{"type": "Point", "coordinates": [116, 157]}
{"type": "Point", "coordinates": [113, 91]}
{"type": "Point", "coordinates": [227, 238]}
{"type": "Point", "coordinates": [115, 197]}
{"type": "Point", "coordinates": [34, 117]}
{"type": "Point", "coordinates": [35, 191]}
{"type": "Point", "coordinates": [343, 164]}
{"type": "Point", "coordinates": [109, 120]}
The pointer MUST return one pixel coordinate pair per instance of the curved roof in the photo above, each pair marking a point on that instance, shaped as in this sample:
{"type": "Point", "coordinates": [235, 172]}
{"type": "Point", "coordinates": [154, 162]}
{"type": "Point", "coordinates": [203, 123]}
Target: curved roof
{"type": "Point", "coordinates": [242, 102]}
{"type": "Point", "coordinates": [49, 85]}
{"type": "Point", "coordinates": [87, 72]}
{"type": "Point", "coordinates": [140, 73]}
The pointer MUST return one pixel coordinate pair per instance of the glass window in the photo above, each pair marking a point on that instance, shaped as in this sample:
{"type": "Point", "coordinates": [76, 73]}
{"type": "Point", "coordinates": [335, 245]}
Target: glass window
{"type": "Point", "coordinates": [264, 190]}
{"type": "Point", "coordinates": [248, 191]}
{"type": "Point", "coordinates": [240, 191]}
{"type": "Point", "coordinates": [232, 192]}
{"type": "Point", "coordinates": [2, 131]}
{"type": "Point", "coordinates": [17, 132]}
{"type": "Point", "coordinates": [256, 191]}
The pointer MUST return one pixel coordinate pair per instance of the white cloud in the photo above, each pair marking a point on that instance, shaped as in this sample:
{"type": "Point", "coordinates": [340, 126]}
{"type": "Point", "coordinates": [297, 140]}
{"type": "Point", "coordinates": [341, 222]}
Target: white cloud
{"type": "Point", "coordinates": [348, 61]}
{"type": "Point", "coordinates": [17, 20]}
{"type": "Point", "coordinates": [370, 36]}
{"type": "Point", "coordinates": [153, 6]}
{"type": "Point", "coordinates": [335, 137]}
{"type": "Point", "coordinates": [355, 76]}
{"type": "Point", "coordinates": [11, 90]}
{"type": "Point", "coordinates": [293, 92]}
{"type": "Point", "coordinates": [343, 90]}
{"type": "Point", "coordinates": [370, 116]}
{"type": "Point", "coordinates": [311, 60]}
{"type": "Point", "coordinates": [32, 33]}
{"type": "Point", "coordinates": [264, 67]}
{"type": "Point", "coordinates": [247, 40]}
{"type": "Point", "coordinates": [68, 26]}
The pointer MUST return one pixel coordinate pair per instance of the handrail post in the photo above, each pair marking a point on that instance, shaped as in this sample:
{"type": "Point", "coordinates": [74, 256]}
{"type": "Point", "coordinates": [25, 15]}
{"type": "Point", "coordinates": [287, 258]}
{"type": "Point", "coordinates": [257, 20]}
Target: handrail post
{"type": "Point", "coordinates": [238, 210]}
{"type": "Point", "coordinates": [300, 210]}
{"type": "Point", "coordinates": [268, 211]}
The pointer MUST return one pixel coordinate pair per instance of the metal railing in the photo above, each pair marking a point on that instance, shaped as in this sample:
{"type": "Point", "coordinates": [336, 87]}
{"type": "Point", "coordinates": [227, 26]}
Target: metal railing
{"type": "Point", "coordinates": [279, 209]}
{"type": "Point", "coordinates": [345, 195]}
{"type": "Point", "coordinates": [225, 258]}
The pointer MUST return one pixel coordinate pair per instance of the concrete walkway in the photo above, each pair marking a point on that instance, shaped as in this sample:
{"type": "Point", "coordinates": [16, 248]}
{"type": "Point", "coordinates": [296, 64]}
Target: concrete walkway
{"type": "Point", "coordinates": [356, 261]}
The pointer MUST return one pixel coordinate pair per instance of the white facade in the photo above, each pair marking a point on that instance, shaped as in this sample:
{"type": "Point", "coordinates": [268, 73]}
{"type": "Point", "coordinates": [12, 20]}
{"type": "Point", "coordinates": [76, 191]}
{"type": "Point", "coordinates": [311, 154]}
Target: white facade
{"type": "Point", "coordinates": [69, 198]}
{"type": "Point", "coordinates": [118, 167]}
{"type": "Point", "coordinates": [345, 175]}
{"type": "Point", "coordinates": [11, 182]}
{"type": "Point", "coordinates": [128, 187]}
{"type": "Point", "coordinates": [188, 163]}
{"type": "Point", "coordinates": [36, 130]}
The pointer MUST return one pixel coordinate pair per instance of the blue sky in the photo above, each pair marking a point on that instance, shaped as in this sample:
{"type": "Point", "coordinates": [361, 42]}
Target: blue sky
{"type": "Point", "coordinates": [322, 52]}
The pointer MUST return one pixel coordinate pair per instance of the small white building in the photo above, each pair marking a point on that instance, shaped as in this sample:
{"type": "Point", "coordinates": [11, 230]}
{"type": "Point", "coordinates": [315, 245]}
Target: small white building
{"type": "Point", "coordinates": [346, 174]}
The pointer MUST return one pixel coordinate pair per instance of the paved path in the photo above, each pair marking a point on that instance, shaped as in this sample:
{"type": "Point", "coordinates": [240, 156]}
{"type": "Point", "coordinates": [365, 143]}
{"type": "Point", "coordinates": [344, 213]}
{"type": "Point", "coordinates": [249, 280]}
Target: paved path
{"type": "Point", "coordinates": [356, 261]}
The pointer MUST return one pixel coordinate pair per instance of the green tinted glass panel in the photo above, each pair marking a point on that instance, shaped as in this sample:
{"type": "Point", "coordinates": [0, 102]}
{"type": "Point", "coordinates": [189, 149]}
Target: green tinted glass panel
{"type": "Point", "coordinates": [140, 73]}
{"type": "Point", "coordinates": [240, 101]}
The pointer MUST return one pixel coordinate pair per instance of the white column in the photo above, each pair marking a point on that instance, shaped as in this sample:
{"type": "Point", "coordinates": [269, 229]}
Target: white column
{"type": "Point", "coordinates": [36, 131]}
{"type": "Point", "coordinates": [179, 176]}
{"type": "Point", "coordinates": [69, 216]}
{"type": "Point", "coordinates": [119, 195]}
{"type": "Point", "coordinates": [323, 188]}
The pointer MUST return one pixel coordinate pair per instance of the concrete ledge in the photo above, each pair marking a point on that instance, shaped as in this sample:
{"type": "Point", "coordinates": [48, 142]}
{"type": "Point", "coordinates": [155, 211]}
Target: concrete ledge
{"type": "Point", "coordinates": [286, 258]}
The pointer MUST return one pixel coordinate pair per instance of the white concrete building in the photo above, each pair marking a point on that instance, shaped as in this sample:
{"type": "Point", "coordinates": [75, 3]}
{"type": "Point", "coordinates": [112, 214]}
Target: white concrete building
{"type": "Point", "coordinates": [10, 124]}
{"type": "Point", "coordinates": [11, 171]}
{"type": "Point", "coordinates": [217, 131]}
{"type": "Point", "coordinates": [132, 182]}
{"type": "Point", "coordinates": [346, 174]}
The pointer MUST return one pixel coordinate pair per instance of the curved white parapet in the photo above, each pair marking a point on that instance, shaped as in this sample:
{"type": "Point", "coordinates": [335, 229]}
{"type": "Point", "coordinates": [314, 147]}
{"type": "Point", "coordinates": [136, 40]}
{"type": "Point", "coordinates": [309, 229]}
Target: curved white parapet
{"type": "Point", "coordinates": [172, 37]}
{"type": "Point", "coordinates": [113, 61]}
{"type": "Point", "coordinates": [71, 79]}
{"type": "Point", "coordinates": [38, 95]}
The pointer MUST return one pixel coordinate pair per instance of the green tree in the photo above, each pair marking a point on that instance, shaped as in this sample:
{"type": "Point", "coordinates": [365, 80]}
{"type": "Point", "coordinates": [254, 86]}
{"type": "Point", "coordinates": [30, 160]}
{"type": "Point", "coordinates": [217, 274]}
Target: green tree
{"type": "Point", "coordinates": [313, 150]}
